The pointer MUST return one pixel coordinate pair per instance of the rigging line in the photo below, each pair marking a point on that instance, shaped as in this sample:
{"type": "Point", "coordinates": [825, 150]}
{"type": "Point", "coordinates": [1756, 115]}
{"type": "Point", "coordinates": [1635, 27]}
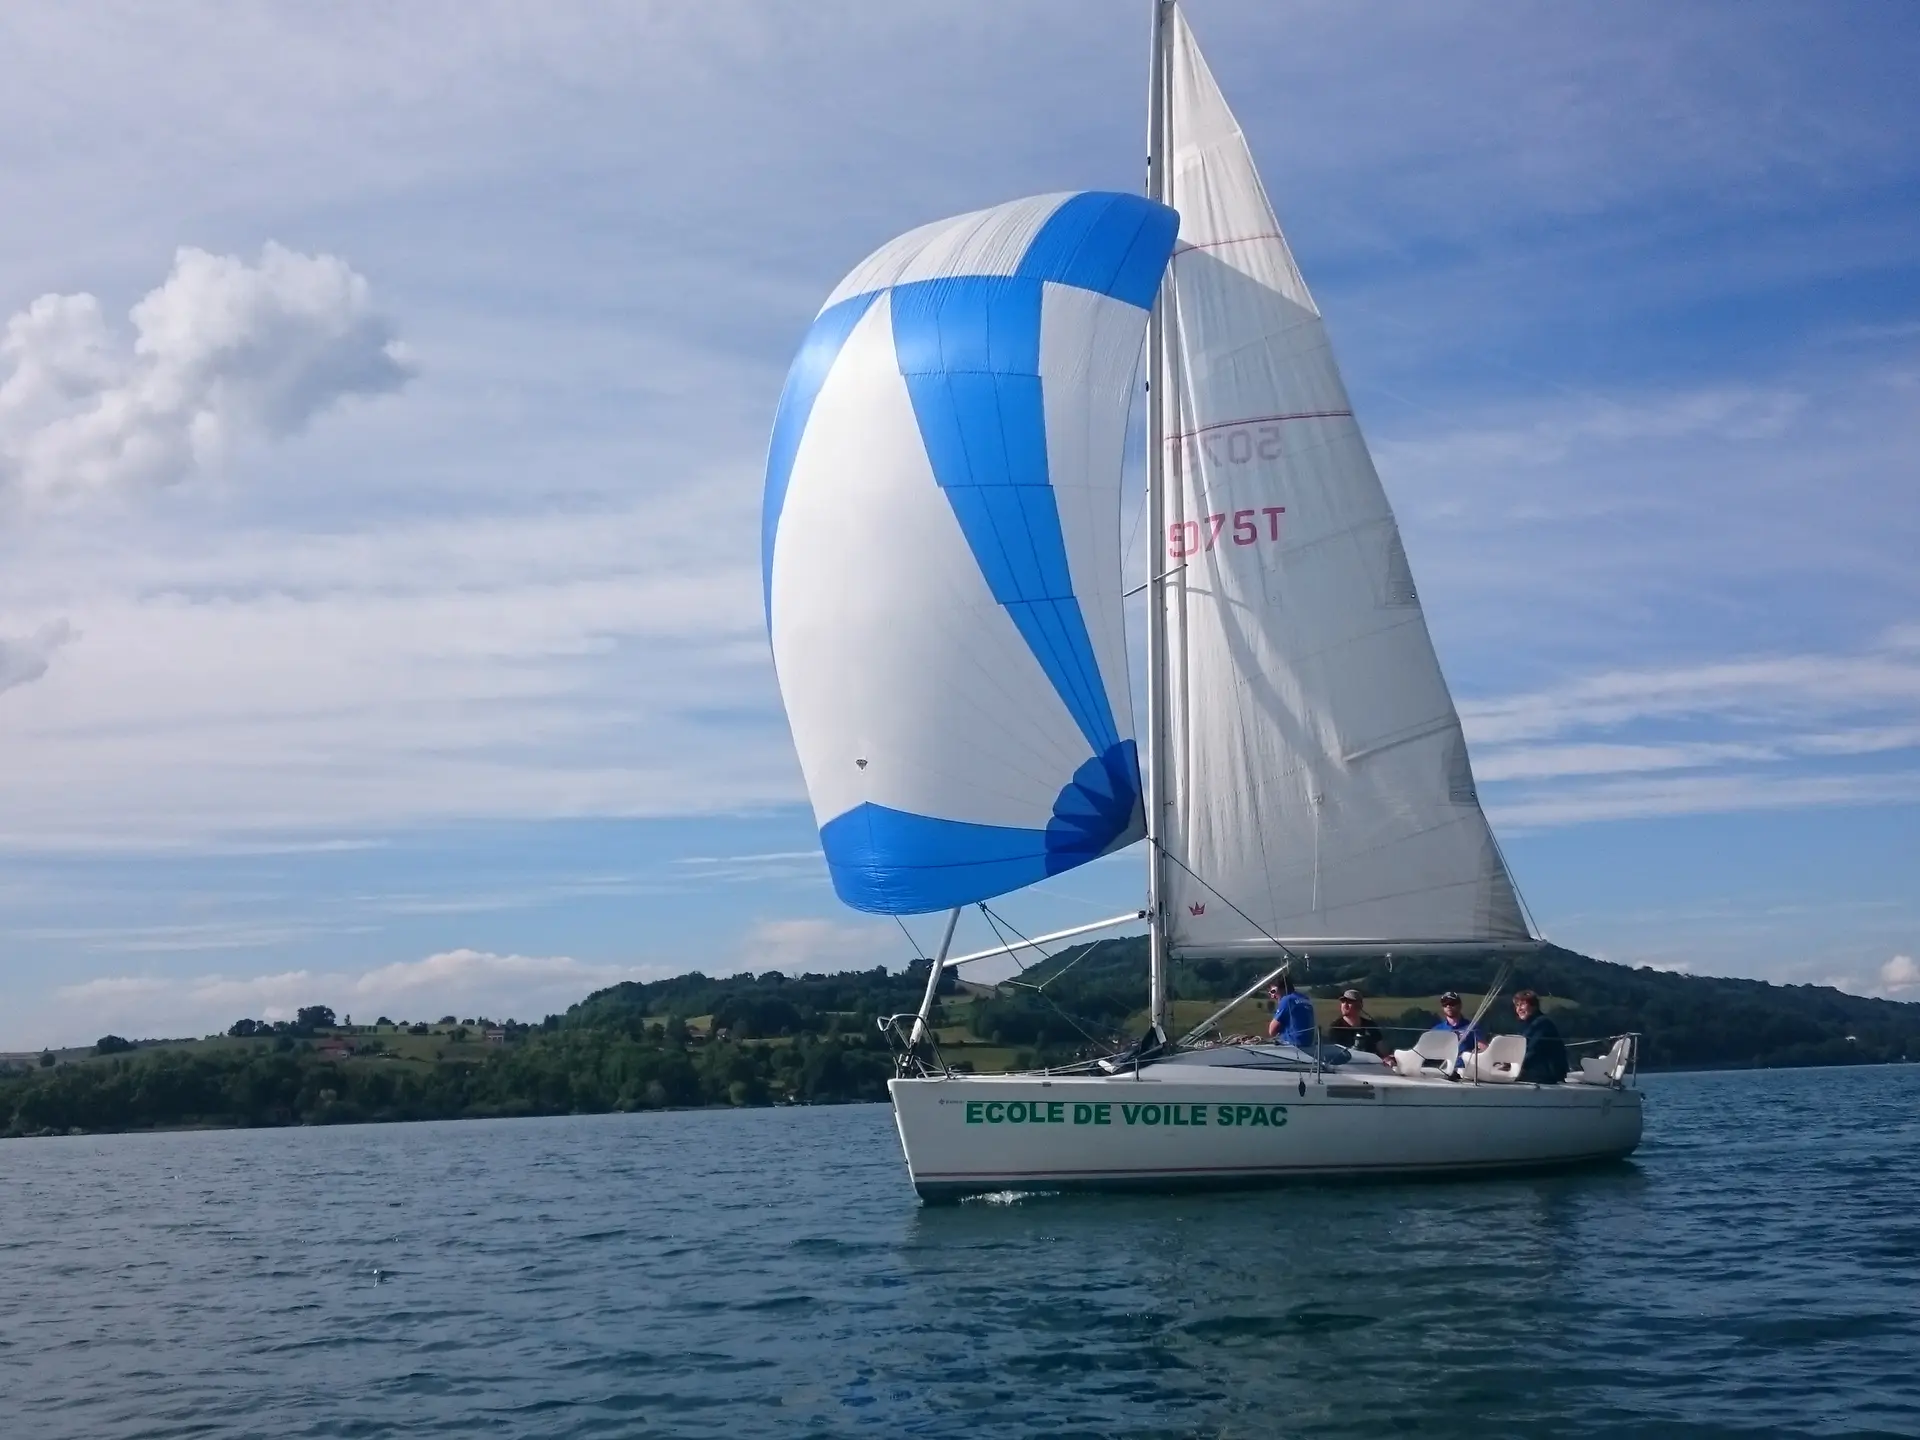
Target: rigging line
{"type": "Point", "coordinates": [993, 924]}
{"type": "Point", "coordinates": [1133, 537]}
{"type": "Point", "coordinates": [1037, 989]}
{"type": "Point", "coordinates": [1163, 575]}
{"type": "Point", "coordinates": [918, 953]}
{"type": "Point", "coordinates": [1526, 910]}
{"type": "Point", "coordinates": [1280, 945]}
{"type": "Point", "coordinates": [1499, 984]}
{"type": "Point", "coordinates": [1040, 990]}
{"type": "Point", "coordinates": [1085, 950]}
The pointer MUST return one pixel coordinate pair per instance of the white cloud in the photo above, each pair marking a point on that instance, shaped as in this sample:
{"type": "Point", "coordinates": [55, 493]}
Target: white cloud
{"type": "Point", "coordinates": [1656, 534]}
{"type": "Point", "coordinates": [1545, 762]}
{"type": "Point", "coordinates": [222, 353]}
{"type": "Point", "coordinates": [807, 943]}
{"type": "Point", "coordinates": [1558, 432]}
{"type": "Point", "coordinates": [1790, 731]}
{"type": "Point", "coordinates": [1695, 795]}
{"type": "Point", "coordinates": [1774, 689]}
{"type": "Point", "coordinates": [1899, 973]}
{"type": "Point", "coordinates": [465, 982]}
{"type": "Point", "coordinates": [267, 686]}
{"type": "Point", "coordinates": [25, 660]}
{"type": "Point", "coordinates": [1897, 979]}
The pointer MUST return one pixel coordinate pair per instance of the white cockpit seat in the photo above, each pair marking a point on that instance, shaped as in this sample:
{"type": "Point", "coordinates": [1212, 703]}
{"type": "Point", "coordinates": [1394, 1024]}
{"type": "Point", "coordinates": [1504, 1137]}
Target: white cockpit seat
{"type": "Point", "coordinates": [1610, 1068]}
{"type": "Point", "coordinates": [1500, 1061]}
{"type": "Point", "coordinates": [1433, 1054]}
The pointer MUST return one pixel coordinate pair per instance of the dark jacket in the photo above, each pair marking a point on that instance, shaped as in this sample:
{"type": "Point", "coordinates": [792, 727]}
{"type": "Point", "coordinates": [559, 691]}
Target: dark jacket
{"type": "Point", "coordinates": [1546, 1062]}
{"type": "Point", "coordinates": [1364, 1036]}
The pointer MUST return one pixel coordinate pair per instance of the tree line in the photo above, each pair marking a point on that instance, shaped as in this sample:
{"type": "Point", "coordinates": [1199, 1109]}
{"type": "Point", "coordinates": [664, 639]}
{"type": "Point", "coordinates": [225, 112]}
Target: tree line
{"type": "Point", "coordinates": [554, 1073]}
{"type": "Point", "coordinates": [752, 1040]}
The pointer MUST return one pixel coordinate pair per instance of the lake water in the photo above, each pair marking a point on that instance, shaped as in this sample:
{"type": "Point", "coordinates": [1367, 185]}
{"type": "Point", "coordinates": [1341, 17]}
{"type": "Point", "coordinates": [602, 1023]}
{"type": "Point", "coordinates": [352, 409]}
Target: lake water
{"type": "Point", "coordinates": [1755, 1270]}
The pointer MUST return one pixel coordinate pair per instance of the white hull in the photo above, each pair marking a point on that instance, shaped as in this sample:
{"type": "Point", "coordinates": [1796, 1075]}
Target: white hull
{"type": "Point", "coordinates": [1176, 1126]}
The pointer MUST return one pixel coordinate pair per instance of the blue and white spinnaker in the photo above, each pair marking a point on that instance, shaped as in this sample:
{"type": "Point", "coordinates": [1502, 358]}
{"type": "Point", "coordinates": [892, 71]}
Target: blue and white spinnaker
{"type": "Point", "coordinates": [941, 550]}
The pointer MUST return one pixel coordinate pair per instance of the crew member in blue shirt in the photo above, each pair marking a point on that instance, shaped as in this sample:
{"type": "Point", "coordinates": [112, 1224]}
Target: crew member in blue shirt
{"type": "Point", "coordinates": [1451, 1018]}
{"type": "Point", "coordinates": [1546, 1060]}
{"type": "Point", "coordinates": [1292, 1015]}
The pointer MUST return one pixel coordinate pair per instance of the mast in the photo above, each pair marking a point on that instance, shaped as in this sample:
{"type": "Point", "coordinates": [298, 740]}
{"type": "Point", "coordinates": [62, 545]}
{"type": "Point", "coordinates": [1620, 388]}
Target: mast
{"type": "Point", "coordinates": [1157, 687]}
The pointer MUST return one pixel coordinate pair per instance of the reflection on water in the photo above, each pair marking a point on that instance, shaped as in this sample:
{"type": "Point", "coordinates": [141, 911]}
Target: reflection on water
{"type": "Point", "coordinates": [1751, 1271]}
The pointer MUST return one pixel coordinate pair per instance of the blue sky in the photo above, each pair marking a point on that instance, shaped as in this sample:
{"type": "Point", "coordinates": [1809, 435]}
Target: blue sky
{"type": "Point", "coordinates": [379, 611]}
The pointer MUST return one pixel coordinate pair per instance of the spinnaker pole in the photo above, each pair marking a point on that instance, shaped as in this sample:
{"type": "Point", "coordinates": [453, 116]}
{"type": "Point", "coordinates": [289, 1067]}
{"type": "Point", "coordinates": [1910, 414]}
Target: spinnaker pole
{"type": "Point", "coordinates": [1157, 687]}
{"type": "Point", "coordinates": [921, 1020]}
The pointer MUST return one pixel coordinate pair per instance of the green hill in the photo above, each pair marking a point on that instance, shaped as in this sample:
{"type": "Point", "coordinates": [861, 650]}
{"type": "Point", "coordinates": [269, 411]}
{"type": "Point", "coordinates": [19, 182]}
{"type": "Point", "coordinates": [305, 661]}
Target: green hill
{"type": "Point", "coordinates": [771, 1038]}
{"type": "Point", "coordinates": [1686, 1021]}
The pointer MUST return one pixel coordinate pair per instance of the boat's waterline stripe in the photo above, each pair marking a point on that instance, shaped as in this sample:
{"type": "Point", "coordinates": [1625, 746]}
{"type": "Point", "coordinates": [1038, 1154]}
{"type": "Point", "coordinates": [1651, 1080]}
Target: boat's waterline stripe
{"type": "Point", "coordinates": [1000, 1176]}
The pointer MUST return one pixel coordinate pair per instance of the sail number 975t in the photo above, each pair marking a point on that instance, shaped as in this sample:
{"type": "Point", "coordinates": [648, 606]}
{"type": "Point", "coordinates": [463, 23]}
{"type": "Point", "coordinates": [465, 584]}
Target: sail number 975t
{"type": "Point", "coordinates": [1241, 527]}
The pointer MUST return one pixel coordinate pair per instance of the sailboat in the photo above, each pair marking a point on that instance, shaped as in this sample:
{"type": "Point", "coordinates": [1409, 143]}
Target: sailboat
{"type": "Point", "coordinates": [943, 583]}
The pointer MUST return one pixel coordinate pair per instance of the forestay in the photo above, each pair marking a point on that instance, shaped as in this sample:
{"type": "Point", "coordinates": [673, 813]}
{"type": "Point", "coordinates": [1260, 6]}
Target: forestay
{"type": "Point", "coordinates": [940, 549]}
{"type": "Point", "coordinates": [1319, 777]}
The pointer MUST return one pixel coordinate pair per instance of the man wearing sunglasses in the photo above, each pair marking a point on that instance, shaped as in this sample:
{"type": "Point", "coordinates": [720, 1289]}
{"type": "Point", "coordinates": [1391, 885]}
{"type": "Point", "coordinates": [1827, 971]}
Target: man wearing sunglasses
{"type": "Point", "coordinates": [1292, 1020]}
{"type": "Point", "coordinates": [1355, 1028]}
{"type": "Point", "coordinates": [1454, 1019]}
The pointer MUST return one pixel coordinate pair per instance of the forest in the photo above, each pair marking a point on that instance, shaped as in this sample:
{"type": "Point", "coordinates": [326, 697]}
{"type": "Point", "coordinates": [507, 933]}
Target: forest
{"type": "Point", "coordinates": [696, 1040]}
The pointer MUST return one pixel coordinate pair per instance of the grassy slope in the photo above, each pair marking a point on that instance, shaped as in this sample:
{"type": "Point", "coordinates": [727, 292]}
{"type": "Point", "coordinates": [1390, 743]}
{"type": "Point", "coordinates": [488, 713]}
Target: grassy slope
{"type": "Point", "coordinates": [813, 1038]}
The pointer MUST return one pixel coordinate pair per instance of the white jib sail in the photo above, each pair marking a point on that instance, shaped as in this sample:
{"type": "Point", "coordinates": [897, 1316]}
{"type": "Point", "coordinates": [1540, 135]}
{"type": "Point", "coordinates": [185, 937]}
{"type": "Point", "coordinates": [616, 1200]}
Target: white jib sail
{"type": "Point", "coordinates": [1319, 779]}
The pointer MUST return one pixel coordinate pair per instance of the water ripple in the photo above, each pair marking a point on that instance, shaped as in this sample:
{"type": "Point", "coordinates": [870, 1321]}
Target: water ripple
{"type": "Point", "coordinates": [1754, 1271]}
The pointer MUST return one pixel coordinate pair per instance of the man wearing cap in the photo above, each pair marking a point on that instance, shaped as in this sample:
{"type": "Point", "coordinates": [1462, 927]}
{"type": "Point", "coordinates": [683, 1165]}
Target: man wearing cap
{"type": "Point", "coordinates": [1452, 1018]}
{"type": "Point", "coordinates": [1355, 1028]}
{"type": "Point", "coordinates": [1292, 1015]}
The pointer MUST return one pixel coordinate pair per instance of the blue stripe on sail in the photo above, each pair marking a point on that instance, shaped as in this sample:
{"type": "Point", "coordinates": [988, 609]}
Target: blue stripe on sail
{"type": "Point", "coordinates": [818, 351]}
{"type": "Point", "coordinates": [1110, 243]}
{"type": "Point", "coordinates": [969, 349]}
{"type": "Point", "coordinates": [890, 862]}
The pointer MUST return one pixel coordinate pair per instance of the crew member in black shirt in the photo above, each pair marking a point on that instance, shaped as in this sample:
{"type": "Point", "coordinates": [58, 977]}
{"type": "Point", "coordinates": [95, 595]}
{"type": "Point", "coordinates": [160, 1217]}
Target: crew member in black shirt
{"type": "Point", "coordinates": [1355, 1028]}
{"type": "Point", "coordinates": [1546, 1060]}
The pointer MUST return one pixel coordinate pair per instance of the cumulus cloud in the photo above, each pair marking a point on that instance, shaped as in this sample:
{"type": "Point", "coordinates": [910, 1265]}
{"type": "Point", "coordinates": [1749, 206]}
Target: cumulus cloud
{"type": "Point", "coordinates": [809, 943]}
{"type": "Point", "coordinates": [1898, 979]}
{"type": "Point", "coordinates": [467, 982]}
{"type": "Point", "coordinates": [25, 660]}
{"type": "Point", "coordinates": [222, 353]}
{"type": "Point", "coordinates": [1899, 973]}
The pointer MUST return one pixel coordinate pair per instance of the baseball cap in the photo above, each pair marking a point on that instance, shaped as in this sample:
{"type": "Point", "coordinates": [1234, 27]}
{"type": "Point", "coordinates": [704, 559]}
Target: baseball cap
{"type": "Point", "coordinates": [1351, 995]}
{"type": "Point", "coordinates": [1453, 995]}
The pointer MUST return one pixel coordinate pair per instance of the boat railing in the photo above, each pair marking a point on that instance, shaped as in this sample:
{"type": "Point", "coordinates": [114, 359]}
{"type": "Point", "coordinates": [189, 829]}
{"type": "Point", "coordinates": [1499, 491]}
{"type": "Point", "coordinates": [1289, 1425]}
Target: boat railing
{"type": "Point", "coordinates": [922, 1059]}
{"type": "Point", "coordinates": [1624, 1072]}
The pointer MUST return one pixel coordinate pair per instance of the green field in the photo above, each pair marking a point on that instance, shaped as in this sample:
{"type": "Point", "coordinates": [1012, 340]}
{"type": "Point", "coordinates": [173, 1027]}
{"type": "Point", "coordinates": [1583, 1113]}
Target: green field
{"type": "Point", "coordinates": [774, 1038]}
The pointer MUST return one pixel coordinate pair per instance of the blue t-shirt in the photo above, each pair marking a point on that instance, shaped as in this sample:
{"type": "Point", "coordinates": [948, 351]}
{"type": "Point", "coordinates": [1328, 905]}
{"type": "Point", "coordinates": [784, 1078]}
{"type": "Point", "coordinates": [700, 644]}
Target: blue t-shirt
{"type": "Point", "coordinates": [1295, 1016]}
{"type": "Point", "coordinates": [1466, 1030]}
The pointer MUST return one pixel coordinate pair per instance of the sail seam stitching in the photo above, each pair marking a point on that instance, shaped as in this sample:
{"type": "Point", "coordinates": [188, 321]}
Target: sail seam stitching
{"type": "Point", "coordinates": [1261, 420]}
{"type": "Point", "coordinates": [1180, 250]}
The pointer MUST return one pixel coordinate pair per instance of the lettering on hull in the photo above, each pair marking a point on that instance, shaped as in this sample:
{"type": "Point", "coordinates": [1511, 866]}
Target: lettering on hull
{"type": "Point", "coordinates": [1174, 1116]}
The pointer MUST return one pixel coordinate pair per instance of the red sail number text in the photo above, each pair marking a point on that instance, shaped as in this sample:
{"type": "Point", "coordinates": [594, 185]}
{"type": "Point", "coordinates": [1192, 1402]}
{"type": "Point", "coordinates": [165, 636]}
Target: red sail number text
{"type": "Point", "coordinates": [1241, 527]}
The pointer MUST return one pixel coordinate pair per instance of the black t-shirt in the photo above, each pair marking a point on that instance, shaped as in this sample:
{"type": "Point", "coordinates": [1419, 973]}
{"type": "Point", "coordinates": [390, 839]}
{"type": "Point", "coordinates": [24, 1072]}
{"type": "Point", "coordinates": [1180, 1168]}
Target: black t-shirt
{"type": "Point", "coordinates": [1363, 1036]}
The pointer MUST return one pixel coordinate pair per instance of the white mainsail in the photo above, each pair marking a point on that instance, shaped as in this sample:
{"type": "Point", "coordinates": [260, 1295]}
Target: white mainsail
{"type": "Point", "coordinates": [1318, 776]}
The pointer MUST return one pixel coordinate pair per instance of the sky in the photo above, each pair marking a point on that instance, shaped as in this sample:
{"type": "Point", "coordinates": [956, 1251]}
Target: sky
{"type": "Point", "coordinates": [384, 394]}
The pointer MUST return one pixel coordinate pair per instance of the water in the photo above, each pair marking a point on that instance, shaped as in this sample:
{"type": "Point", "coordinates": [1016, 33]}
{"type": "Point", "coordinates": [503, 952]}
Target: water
{"type": "Point", "coordinates": [769, 1273]}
